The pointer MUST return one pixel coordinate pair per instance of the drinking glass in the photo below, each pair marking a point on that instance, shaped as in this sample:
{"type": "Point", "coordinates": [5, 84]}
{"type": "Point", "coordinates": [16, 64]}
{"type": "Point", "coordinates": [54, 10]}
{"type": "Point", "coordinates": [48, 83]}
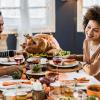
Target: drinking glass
{"type": "Point", "coordinates": [18, 58]}
{"type": "Point", "coordinates": [57, 60]}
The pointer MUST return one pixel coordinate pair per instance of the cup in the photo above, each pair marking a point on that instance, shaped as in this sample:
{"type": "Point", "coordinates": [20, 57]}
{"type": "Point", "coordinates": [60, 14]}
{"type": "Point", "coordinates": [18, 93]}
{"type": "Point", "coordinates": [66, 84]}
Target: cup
{"type": "Point", "coordinates": [21, 96]}
{"type": "Point", "coordinates": [57, 60]}
{"type": "Point", "coordinates": [9, 95]}
{"type": "Point", "coordinates": [38, 95]}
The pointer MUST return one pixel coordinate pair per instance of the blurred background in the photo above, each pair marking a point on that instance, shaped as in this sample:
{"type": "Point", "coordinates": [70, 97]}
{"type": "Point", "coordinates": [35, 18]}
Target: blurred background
{"type": "Point", "coordinates": [62, 18]}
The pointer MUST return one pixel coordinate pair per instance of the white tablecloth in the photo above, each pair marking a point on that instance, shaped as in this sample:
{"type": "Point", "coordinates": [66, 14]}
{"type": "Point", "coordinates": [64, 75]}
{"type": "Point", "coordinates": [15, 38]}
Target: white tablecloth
{"type": "Point", "coordinates": [81, 73]}
{"type": "Point", "coordinates": [71, 76]}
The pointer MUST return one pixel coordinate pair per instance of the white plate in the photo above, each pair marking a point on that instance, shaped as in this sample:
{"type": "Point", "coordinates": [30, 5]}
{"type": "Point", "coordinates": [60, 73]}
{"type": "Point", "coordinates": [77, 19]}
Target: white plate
{"type": "Point", "coordinates": [8, 63]}
{"type": "Point", "coordinates": [29, 72]}
{"type": "Point", "coordinates": [75, 63]}
{"type": "Point", "coordinates": [22, 85]}
{"type": "Point", "coordinates": [7, 87]}
{"type": "Point", "coordinates": [42, 60]}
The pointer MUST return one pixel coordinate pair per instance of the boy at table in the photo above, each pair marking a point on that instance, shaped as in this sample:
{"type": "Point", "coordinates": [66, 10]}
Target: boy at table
{"type": "Point", "coordinates": [91, 44]}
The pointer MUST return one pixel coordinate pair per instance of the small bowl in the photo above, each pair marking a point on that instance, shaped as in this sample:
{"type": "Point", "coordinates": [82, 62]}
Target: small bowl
{"type": "Point", "coordinates": [34, 60]}
{"type": "Point", "coordinates": [94, 90]}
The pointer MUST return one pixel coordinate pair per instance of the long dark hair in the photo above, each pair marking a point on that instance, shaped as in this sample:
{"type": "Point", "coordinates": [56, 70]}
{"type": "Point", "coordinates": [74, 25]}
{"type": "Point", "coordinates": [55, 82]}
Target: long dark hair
{"type": "Point", "coordinates": [93, 13]}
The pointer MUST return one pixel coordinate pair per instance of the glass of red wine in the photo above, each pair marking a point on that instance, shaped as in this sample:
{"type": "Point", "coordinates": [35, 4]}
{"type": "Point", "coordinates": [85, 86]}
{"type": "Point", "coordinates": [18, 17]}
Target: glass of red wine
{"type": "Point", "coordinates": [18, 58]}
{"type": "Point", "coordinates": [57, 60]}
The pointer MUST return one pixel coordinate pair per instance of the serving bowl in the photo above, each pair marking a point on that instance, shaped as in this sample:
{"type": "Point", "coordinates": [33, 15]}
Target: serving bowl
{"type": "Point", "coordinates": [94, 90]}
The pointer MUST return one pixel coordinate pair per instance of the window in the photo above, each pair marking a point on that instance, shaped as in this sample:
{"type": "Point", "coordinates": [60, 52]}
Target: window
{"type": "Point", "coordinates": [28, 16]}
{"type": "Point", "coordinates": [82, 6]}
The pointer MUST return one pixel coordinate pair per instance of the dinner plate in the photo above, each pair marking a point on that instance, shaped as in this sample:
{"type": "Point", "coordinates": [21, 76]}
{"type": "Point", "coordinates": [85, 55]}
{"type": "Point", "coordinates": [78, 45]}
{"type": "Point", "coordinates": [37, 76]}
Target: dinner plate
{"type": "Point", "coordinates": [75, 63]}
{"type": "Point", "coordinates": [7, 87]}
{"type": "Point", "coordinates": [29, 72]}
{"type": "Point", "coordinates": [42, 60]}
{"type": "Point", "coordinates": [8, 63]}
{"type": "Point", "coordinates": [20, 84]}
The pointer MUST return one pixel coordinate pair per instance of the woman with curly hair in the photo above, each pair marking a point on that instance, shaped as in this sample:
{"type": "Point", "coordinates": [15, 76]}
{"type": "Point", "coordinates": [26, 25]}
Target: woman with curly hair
{"type": "Point", "coordinates": [91, 44]}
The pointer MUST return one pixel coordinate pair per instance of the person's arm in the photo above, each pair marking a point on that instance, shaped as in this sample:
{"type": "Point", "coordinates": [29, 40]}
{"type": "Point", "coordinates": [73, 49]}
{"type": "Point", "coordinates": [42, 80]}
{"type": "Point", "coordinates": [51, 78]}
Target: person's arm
{"type": "Point", "coordinates": [93, 68]}
{"type": "Point", "coordinates": [7, 71]}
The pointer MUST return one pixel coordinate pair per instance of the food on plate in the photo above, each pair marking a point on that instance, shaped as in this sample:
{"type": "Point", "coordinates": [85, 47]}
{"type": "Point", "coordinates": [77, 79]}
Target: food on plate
{"type": "Point", "coordinates": [51, 74]}
{"type": "Point", "coordinates": [94, 90]}
{"type": "Point", "coordinates": [8, 83]}
{"type": "Point", "coordinates": [45, 80]}
{"type": "Point", "coordinates": [41, 43]}
{"type": "Point", "coordinates": [27, 82]}
{"type": "Point", "coordinates": [35, 60]}
{"type": "Point", "coordinates": [92, 98]}
{"type": "Point", "coordinates": [63, 53]}
{"type": "Point", "coordinates": [36, 68]}
{"type": "Point", "coordinates": [82, 80]}
{"type": "Point", "coordinates": [16, 74]}
{"type": "Point", "coordinates": [68, 61]}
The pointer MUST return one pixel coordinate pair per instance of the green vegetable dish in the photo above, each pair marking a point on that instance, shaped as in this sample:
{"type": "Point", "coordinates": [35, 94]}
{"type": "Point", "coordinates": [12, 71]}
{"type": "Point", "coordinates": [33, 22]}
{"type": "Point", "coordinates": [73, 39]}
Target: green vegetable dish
{"type": "Point", "coordinates": [60, 53]}
{"type": "Point", "coordinates": [36, 68]}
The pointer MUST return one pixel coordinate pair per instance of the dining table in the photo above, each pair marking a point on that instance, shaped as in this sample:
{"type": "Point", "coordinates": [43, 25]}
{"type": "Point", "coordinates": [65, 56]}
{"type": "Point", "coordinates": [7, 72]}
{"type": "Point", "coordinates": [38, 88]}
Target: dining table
{"type": "Point", "coordinates": [69, 76]}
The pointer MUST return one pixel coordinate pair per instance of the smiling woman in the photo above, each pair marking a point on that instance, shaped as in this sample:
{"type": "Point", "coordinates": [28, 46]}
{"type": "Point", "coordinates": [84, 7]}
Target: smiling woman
{"type": "Point", "coordinates": [91, 45]}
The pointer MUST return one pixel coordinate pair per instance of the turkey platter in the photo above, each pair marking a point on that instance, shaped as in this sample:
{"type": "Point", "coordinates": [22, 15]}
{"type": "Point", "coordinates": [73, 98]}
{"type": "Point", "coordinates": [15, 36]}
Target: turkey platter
{"type": "Point", "coordinates": [41, 43]}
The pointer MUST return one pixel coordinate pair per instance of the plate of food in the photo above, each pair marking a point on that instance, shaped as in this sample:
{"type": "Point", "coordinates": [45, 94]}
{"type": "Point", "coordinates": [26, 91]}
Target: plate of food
{"type": "Point", "coordinates": [37, 60]}
{"type": "Point", "coordinates": [11, 62]}
{"type": "Point", "coordinates": [8, 63]}
{"type": "Point", "coordinates": [82, 83]}
{"type": "Point", "coordinates": [29, 72]}
{"type": "Point", "coordinates": [15, 83]}
{"type": "Point", "coordinates": [66, 63]}
{"type": "Point", "coordinates": [7, 85]}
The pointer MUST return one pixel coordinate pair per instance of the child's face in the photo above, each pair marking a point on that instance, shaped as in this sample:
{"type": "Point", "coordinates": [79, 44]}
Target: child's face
{"type": "Point", "coordinates": [92, 31]}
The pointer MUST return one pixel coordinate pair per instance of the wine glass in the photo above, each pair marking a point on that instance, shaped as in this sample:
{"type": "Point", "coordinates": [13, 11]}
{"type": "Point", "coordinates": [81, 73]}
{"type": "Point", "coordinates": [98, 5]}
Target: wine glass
{"type": "Point", "coordinates": [18, 58]}
{"type": "Point", "coordinates": [57, 60]}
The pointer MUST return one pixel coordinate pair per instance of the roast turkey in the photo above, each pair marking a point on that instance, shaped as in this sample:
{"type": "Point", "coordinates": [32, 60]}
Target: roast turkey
{"type": "Point", "coordinates": [41, 43]}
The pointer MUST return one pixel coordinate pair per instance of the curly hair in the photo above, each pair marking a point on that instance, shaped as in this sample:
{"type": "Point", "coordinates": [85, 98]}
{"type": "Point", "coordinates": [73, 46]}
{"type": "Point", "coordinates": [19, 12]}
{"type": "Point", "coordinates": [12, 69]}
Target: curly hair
{"type": "Point", "coordinates": [93, 13]}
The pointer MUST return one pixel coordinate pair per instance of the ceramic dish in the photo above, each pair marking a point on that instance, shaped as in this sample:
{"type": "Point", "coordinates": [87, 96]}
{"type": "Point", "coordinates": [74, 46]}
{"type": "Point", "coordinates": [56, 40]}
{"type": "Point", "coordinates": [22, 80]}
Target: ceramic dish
{"type": "Point", "coordinates": [75, 63]}
{"type": "Point", "coordinates": [15, 83]}
{"type": "Point", "coordinates": [8, 63]}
